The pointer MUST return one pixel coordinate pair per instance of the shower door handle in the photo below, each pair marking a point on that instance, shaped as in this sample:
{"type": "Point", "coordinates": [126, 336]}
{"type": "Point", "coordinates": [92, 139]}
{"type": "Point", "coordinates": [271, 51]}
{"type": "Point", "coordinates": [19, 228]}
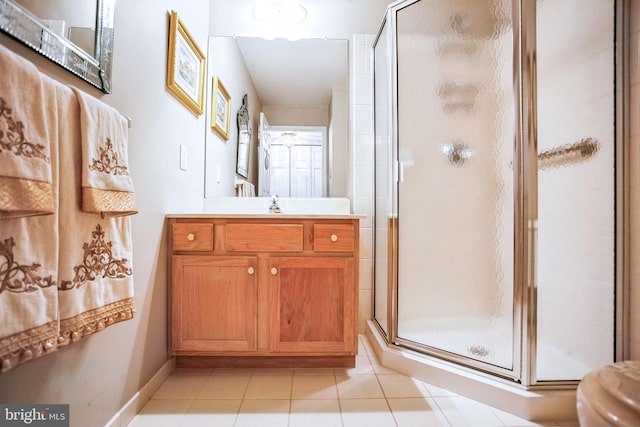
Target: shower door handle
{"type": "Point", "coordinates": [400, 177]}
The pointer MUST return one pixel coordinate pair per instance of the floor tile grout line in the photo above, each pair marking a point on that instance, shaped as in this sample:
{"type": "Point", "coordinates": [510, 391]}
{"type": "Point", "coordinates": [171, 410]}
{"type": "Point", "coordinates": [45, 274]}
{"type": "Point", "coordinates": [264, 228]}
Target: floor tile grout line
{"type": "Point", "coordinates": [193, 401]}
{"type": "Point", "coordinates": [435, 401]}
{"type": "Point", "coordinates": [335, 381]}
{"type": "Point", "coordinates": [430, 397]}
{"type": "Point", "coordinates": [289, 416]}
{"type": "Point", "coordinates": [242, 399]}
{"type": "Point", "coordinates": [386, 398]}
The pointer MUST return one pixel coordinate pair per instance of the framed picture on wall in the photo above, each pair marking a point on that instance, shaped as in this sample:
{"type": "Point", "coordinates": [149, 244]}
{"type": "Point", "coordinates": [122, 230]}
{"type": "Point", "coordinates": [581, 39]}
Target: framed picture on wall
{"type": "Point", "coordinates": [185, 66]}
{"type": "Point", "coordinates": [220, 109]}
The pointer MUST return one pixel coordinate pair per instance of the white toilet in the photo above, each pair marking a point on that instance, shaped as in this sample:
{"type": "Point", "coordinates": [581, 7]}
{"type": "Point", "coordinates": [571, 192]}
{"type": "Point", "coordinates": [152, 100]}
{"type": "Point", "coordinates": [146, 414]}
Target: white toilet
{"type": "Point", "coordinates": [610, 396]}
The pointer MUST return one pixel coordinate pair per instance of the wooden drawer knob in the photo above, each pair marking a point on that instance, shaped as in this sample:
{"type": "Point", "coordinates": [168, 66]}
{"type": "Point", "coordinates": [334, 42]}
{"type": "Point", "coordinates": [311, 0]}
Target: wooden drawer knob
{"type": "Point", "coordinates": [334, 237]}
{"type": "Point", "coordinates": [274, 271]}
{"type": "Point", "coordinates": [251, 270]}
{"type": "Point", "coordinates": [191, 237]}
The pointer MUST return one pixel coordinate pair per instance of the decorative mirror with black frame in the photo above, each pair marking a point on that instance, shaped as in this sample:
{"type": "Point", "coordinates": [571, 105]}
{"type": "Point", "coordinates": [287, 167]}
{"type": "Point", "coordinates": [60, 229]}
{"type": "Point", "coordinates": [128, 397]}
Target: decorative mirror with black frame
{"type": "Point", "coordinates": [244, 138]}
{"type": "Point", "coordinates": [91, 63]}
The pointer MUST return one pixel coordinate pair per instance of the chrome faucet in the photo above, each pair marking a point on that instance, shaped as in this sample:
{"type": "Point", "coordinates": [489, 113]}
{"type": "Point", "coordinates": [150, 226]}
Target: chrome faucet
{"type": "Point", "coordinates": [274, 208]}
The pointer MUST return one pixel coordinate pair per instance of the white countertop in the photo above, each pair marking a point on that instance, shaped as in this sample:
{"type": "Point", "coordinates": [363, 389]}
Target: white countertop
{"type": "Point", "coordinates": [264, 216]}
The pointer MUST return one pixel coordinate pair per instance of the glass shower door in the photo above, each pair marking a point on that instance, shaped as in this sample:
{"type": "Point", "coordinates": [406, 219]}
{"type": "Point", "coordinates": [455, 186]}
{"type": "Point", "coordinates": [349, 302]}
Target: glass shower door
{"type": "Point", "coordinates": [455, 193]}
{"type": "Point", "coordinates": [385, 191]}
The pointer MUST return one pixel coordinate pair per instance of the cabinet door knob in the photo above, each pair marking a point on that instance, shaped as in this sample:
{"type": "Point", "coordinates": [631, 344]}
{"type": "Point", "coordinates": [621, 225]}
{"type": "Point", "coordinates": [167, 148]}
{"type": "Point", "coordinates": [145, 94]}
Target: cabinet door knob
{"type": "Point", "coordinates": [274, 271]}
{"type": "Point", "coordinates": [251, 270]}
{"type": "Point", "coordinates": [191, 237]}
{"type": "Point", "coordinates": [334, 237]}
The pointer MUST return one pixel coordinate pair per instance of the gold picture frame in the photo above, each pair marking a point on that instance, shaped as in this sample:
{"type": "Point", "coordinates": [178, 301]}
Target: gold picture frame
{"type": "Point", "coordinates": [185, 66]}
{"type": "Point", "coordinates": [220, 109]}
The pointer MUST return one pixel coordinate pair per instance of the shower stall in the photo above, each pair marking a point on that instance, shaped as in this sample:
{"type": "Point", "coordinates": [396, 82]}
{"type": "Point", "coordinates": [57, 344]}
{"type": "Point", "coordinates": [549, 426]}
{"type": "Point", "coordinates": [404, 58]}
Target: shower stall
{"type": "Point", "coordinates": [499, 169]}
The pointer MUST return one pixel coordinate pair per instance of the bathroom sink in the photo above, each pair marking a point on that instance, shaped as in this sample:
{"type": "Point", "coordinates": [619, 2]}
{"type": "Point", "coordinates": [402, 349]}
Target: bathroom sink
{"type": "Point", "coordinates": [288, 206]}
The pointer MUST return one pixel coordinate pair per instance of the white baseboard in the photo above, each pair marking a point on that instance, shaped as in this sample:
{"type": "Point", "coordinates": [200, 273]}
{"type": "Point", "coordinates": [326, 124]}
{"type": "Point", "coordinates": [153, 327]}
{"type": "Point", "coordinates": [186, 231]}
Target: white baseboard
{"type": "Point", "coordinates": [129, 410]}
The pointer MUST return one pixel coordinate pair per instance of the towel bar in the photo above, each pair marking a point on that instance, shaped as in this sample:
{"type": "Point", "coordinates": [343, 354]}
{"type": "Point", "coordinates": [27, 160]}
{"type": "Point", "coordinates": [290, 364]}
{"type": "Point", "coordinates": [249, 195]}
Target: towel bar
{"type": "Point", "coordinates": [568, 153]}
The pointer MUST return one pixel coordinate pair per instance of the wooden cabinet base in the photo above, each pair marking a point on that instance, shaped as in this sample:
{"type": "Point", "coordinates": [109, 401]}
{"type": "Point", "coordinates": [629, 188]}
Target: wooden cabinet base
{"type": "Point", "coordinates": [267, 292]}
{"type": "Point", "coordinates": [265, 362]}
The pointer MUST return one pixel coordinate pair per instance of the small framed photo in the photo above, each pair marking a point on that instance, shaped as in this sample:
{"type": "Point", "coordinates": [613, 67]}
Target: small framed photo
{"type": "Point", "coordinates": [185, 66]}
{"type": "Point", "coordinates": [220, 109]}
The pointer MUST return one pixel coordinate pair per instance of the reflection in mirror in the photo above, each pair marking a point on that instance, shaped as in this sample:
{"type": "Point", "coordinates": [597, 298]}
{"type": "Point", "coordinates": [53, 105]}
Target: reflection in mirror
{"type": "Point", "coordinates": [73, 19]}
{"type": "Point", "coordinates": [302, 83]}
{"type": "Point", "coordinates": [75, 34]}
{"type": "Point", "coordinates": [297, 161]}
{"type": "Point", "coordinates": [244, 138]}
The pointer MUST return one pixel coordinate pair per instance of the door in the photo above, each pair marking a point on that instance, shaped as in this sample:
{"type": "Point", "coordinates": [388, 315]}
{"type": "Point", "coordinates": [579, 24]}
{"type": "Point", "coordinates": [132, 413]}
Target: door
{"type": "Point", "coordinates": [280, 170]}
{"type": "Point", "coordinates": [306, 171]}
{"type": "Point", "coordinates": [455, 136]}
{"type": "Point", "coordinates": [298, 159]}
{"type": "Point", "coordinates": [326, 326]}
{"type": "Point", "coordinates": [386, 211]}
{"type": "Point", "coordinates": [213, 304]}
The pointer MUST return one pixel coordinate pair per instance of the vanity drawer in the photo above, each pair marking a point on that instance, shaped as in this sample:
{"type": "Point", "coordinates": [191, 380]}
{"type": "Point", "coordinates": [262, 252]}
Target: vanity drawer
{"type": "Point", "coordinates": [192, 236]}
{"type": "Point", "coordinates": [333, 238]}
{"type": "Point", "coordinates": [264, 237]}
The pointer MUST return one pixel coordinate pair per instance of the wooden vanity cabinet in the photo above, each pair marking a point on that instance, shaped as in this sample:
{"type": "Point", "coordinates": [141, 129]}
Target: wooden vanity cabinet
{"type": "Point", "coordinates": [263, 291]}
{"type": "Point", "coordinates": [213, 305]}
{"type": "Point", "coordinates": [312, 304]}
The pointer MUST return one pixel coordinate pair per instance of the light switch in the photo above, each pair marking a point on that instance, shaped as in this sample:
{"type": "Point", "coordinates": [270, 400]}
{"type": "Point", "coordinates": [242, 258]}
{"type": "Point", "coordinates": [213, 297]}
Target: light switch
{"type": "Point", "coordinates": [183, 157]}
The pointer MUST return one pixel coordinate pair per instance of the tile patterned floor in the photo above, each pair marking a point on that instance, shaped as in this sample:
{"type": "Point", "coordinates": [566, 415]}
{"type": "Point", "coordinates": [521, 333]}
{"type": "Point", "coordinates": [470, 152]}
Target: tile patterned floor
{"type": "Point", "coordinates": [367, 395]}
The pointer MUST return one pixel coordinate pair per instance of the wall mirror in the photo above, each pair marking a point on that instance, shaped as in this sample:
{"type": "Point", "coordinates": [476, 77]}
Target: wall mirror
{"type": "Point", "coordinates": [75, 34]}
{"type": "Point", "coordinates": [294, 80]}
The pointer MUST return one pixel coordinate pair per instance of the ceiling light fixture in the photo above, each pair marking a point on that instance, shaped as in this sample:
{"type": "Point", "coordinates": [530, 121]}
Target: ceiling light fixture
{"type": "Point", "coordinates": [289, 138]}
{"type": "Point", "coordinates": [281, 11]}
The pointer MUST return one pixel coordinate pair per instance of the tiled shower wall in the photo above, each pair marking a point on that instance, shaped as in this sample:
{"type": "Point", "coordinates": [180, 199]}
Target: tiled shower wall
{"type": "Point", "coordinates": [575, 262]}
{"type": "Point", "coordinates": [362, 161]}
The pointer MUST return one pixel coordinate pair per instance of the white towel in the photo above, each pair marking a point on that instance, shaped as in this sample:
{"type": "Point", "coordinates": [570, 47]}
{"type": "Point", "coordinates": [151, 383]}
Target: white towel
{"type": "Point", "coordinates": [25, 152]}
{"type": "Point", "coordinates": [107, 187]}
{"type": "Point", "coordinates": [29, 262]}
{"type": "Point", "coordinates": [95, 274]}
{"type": "Point", "coordinates": [251, 190]}
{"type": "Point", "coordinates": [245, 189]}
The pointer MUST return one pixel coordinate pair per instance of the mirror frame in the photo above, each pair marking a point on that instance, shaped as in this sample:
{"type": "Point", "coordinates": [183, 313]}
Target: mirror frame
{"type": "Point", "coordinates": [24, 26]}
{"type": "Point", "coordinates": [244, 138]}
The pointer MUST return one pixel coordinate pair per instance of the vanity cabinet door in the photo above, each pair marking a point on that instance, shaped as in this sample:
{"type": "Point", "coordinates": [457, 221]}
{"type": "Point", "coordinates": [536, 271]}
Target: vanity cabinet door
{"type": "Point", "coordinates": [213, 304]}
{"type": "Point", "coordinates": [312, 305]}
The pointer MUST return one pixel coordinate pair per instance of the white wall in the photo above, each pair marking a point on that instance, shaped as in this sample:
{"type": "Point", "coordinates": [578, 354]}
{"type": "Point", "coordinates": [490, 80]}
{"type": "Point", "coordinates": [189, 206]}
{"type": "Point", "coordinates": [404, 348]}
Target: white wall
{"type": "Point", "coordinates": [297, 115]}
{"type": "Point", "coordinates": [340, 142]}
{"type": "Point", "coordinates": [97, 375]}
{"type": "Point", "coordinates": [226, 62]}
